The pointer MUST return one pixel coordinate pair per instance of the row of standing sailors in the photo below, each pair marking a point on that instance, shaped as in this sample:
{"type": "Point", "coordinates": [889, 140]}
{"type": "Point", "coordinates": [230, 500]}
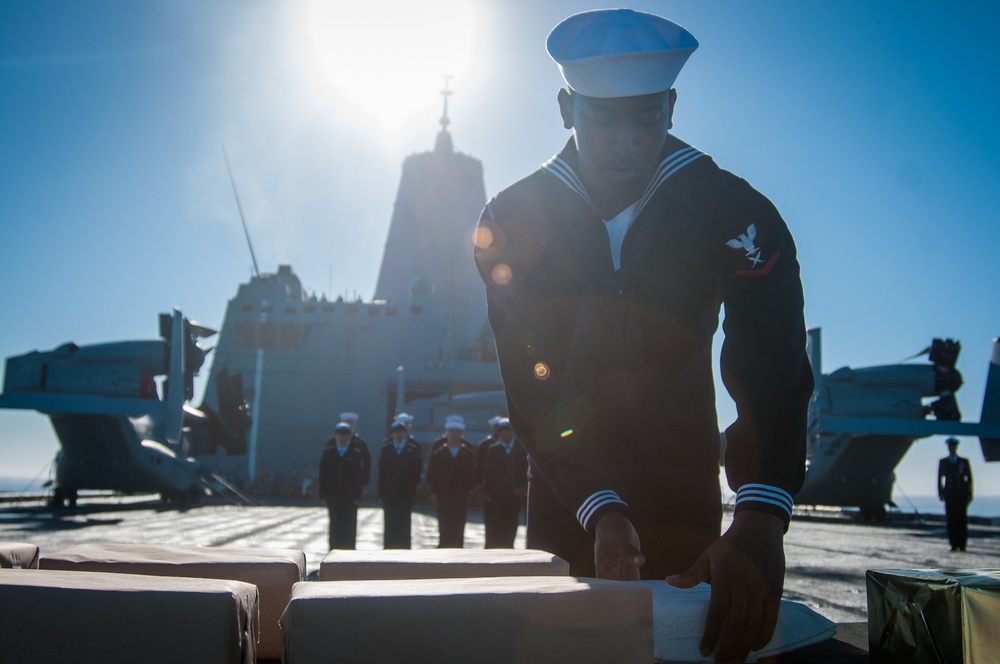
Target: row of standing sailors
{"type": "Point", "coordinates": [454, 469]}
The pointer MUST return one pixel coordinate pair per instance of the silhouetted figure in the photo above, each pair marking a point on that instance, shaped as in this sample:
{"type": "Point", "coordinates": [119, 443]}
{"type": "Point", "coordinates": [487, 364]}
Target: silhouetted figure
{"type": "Point", "coordinates": [955, 489]}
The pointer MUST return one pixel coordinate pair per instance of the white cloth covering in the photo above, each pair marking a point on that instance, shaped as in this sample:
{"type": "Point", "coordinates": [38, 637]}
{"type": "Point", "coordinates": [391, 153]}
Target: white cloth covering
{"type": "Point", "coordinates": [679, 622]}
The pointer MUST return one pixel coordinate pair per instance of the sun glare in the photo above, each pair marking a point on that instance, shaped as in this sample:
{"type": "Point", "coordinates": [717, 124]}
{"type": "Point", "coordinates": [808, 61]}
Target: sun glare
{"type": "Point", "coordinates": [388, 58]}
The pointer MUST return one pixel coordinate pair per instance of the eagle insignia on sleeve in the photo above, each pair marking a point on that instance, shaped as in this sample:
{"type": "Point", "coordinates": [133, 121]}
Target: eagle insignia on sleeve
{"type": "Point", "coordinates": [746, 243]}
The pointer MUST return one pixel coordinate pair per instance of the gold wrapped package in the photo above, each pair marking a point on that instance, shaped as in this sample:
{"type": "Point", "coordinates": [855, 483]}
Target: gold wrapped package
{"type": "Point", "coordinates": [934, 616]}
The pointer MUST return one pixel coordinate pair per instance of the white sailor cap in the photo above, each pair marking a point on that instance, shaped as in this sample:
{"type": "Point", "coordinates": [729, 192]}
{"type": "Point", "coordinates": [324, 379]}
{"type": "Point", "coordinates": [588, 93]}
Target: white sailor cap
{"type": "Point", "coordinates": [503, 423]}
{"type": "Point", "coordinates": [342, 427]}
{"type": "Point", "coordinates": [349, 417]}
{"type": "Point", "coordinates": [454, 422]}
{"type": "Point", "coordinates": [405, 418]}
{"type": "Point", "coordinates": [398, 426]}
{"type": "Point", "coordinates": [494, 420]}
{"type": "Point", "coordinates": [619, 52]}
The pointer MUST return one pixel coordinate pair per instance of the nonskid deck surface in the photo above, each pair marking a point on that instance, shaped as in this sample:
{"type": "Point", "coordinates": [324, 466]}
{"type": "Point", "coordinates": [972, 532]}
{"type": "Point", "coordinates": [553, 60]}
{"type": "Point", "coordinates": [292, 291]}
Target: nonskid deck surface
{"type": "Point", "coordinates": [826, 559]}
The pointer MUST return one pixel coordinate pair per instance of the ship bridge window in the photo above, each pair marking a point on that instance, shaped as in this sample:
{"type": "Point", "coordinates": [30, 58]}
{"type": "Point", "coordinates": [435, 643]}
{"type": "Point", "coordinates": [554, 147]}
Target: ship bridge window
{"type": "Point", "coordinates": [352, 309]}
{"type": "Point", "coordinates": [414, 309]}
{"type": "Point", "coordinates": [291, 335]}
{"type": "Point", "coordinates": [247, 307]}
{"type": "Point", "coordinates": [267, 335]}
{"type": "Point", "coordinates": [246, 335]}
{"type": "Point", "coordinates": [374, 311]}
{"type": "Point", "coordinates": [328, 308]}
{"type": "Point", "coordinates": [308, 310]}
{"type": "Point", "coordinates": [391, 311]}
{"type": "Point", "coordinates": [289, 310]}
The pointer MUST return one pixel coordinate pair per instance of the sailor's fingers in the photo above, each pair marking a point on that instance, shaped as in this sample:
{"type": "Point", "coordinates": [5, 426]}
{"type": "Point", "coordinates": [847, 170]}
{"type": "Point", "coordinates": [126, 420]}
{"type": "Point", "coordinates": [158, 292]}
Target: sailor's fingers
{"type": "Point", "coordinates": [697, 573]}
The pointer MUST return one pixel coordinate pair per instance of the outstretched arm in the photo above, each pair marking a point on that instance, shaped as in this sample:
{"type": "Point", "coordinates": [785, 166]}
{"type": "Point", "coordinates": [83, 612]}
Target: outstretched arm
{"type": "Point", "coordinates": [746, 567]}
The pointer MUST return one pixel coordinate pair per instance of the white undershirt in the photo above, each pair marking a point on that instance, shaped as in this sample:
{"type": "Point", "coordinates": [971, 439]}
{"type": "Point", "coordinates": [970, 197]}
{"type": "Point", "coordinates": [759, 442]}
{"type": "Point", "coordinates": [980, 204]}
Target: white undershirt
{"type": "Point", "coordinates": [617, 228]}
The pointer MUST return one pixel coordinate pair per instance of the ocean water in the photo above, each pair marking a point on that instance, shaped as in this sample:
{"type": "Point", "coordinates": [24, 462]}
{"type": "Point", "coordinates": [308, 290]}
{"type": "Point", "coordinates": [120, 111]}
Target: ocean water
{"type": "Point", "coordinates": [22, 484]}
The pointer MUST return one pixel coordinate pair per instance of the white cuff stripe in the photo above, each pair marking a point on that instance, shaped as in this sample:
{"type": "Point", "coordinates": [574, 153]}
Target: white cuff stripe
{"type": "Point", "coordinates": [595, 502]}
{"type": "Point", "coordinates": [765, 494]}
{"type": "Point", "coordinates": [750, 499]}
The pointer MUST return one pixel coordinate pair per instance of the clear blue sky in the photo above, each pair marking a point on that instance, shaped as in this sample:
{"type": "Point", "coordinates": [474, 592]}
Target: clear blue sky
{"type": "Point", "coordinates": [872, 126]}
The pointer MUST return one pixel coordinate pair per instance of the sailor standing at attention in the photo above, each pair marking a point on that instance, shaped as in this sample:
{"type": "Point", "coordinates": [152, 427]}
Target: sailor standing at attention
{"type": "Point", "coordinates": [955, 489]}
{"type": "Point", "coordinates": [341, 486]}
{"type": "Point", "coordinates": [359, 443]}
{"type": "Point", "coordinates": [399, 468]}
{"type": "Point", "coordinates": [505, 486]}
{"type": "Point", "coordinates": [605, 273]}
{"type": "Point", "coordinates": [451, 476]}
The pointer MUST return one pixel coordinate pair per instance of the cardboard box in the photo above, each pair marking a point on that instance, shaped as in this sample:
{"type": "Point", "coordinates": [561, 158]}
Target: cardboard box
{"type": "Point", "coordinates": [273, 571]}
{"type": "Point", "coordinates": [439, 564]}
{"type": "Point", "coordinates": [934, 616]}
{"type": "Point", "coordinates": [18, 555]}
{"type": "Point", "coordinates": [100, 618]}
{"type": "Point", "coordinates": [524, 619]}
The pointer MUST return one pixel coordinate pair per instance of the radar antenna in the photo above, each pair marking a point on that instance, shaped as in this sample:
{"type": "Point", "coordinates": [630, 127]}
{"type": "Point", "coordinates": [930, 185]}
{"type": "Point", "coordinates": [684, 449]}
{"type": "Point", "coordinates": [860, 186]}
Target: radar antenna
{"type": "Point", "coordinates": [445, 93]}
{"type": "Point", "coordinates": [256, 272]}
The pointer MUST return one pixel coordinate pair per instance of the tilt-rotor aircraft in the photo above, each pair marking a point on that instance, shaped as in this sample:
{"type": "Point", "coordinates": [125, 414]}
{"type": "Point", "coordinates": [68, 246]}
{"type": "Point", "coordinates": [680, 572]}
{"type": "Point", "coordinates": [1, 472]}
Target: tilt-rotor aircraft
{"type": "Point", "coordinates": [863, 421]}
{"type": "Point", "coordinates": [115, 431]}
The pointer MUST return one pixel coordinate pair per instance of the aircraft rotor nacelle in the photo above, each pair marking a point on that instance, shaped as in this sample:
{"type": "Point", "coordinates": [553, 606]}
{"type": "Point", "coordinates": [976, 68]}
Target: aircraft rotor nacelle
{"type": "Point", "coordinates": [943, 354]}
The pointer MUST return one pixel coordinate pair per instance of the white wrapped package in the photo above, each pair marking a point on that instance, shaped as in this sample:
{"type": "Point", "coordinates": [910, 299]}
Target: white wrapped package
{"type": "Point", "coordinates": [344, 565]}
{"type": "Point", "coordinates": [679, 622]}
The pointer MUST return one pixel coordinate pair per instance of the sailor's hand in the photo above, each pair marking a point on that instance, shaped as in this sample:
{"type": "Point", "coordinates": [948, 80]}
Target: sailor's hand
{"type": "Point", "coordinates": [616, 549]}
{"type": "Point", "coordinates": [746, 567]}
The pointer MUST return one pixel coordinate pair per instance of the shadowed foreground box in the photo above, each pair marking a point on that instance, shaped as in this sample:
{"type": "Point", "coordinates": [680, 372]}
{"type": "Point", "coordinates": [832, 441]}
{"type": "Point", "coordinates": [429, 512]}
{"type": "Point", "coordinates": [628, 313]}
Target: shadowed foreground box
{"type": "Point", "coordinates": [524, 619]}
{"type": "Point", "coordinates": [18, 555]}
{"type": "Point", "coordinates": [104, 618]}
{"type": "Point", "coordinates": [934, 616]}
{"type": "Point", "coordinates": [273, 571]}
{"type": "Point", "coordinates": [346, 565]}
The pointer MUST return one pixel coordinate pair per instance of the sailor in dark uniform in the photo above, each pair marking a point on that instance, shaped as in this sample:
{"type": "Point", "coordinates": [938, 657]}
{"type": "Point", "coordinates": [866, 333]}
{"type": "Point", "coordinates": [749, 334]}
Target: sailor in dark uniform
{"type": "Point", "coordinates": [450, 474]}
{"type": "Point", "coordinates": [398, 477]}
{"type": "Point", "coordinates": [484, 446]}
{"type": "Point", "coordinates": [340, 486]}
{"type": "Point", "coordinates": [443, 440]}
{"type": "Point", "coordinates": [505, 486]}
{"type": "Point", "coordinates": [605, 273]}
{"type": "Point", "coordinates": [359, 443]}
{"type": "Point", "coordinates": [955, 489]}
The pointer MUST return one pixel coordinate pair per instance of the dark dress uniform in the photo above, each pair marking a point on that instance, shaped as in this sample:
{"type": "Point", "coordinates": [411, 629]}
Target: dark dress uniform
{"type": "Point", "coordinates": [442, 442]}
{"type": "Point", "coordinates": [481, 450]}
{"type": "Point", "coordinates": [451, 478]}
{"type": "Point", "coordinates": [594, 359]}
{"type": "Point", "coordinates": [359, 443]}
{"type": "Point", "coordinates": [340, 485]}
{"type": "Point", "coordinates": [505, 475]}
{"type": "Point", "coordinates": [398, 477]}
{"type": "Point", "coordinates": [955, 489]}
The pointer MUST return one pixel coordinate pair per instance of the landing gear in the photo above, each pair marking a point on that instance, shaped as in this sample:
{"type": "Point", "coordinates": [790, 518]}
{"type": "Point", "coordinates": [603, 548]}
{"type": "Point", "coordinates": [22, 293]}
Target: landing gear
{"type": "Point", "coordinates": [63, 497]}
{"type": "Point", "coordinates": [182, 500]}
{"type": "Point", "coordinates": [870, 513]}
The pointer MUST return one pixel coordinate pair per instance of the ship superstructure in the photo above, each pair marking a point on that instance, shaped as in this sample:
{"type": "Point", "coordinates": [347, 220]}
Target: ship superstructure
{"type": "Point", "coordinates": [419, 343]}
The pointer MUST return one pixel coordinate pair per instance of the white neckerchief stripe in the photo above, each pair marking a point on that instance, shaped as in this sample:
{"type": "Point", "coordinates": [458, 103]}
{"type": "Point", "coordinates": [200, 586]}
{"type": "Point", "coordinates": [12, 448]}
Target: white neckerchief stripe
{"type": "Point", "coordinates": [565, 172]}
{"type": "Point", "coordinates": [668, 167]}
{"type": "Point", "coordinates": [595, 502]}
{"type": "Point", "coordinates": [558, 167]}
